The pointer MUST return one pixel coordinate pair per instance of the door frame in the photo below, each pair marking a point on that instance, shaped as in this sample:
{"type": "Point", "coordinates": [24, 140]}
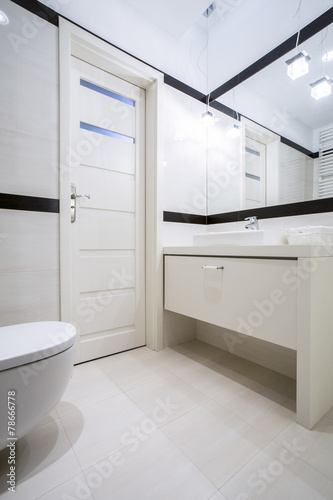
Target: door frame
{"type": "Point", "coordinates": [75, 41]}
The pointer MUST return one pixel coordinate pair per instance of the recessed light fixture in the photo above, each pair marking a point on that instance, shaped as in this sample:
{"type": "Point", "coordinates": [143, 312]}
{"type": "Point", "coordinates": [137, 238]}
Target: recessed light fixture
{"type": "Point", "coordinates": [207, 119]}
{"type": "Point", "coordinates": [321, 88]}
{"type": "Point", "coordinates": [3, 18]}
{"type": "Point", "coordinates": [328, 56]}
{"type": "Point", "coordinates": [298, 65]}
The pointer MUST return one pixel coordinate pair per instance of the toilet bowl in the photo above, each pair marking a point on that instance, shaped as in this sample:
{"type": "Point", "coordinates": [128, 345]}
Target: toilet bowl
{"type": "Point", "coordinates": [36, 361]}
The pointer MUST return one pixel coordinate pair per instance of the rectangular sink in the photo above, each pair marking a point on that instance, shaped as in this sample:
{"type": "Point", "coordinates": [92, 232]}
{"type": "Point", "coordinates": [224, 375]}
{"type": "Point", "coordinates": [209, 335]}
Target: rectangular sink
{"type": "Point", "coordinates": [246, 237]}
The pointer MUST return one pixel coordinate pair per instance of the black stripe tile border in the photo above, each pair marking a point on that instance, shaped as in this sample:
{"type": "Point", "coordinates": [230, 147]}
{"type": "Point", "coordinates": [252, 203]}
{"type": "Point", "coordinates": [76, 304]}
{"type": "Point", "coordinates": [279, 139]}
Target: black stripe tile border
{"type": "Point", "coordinates": [39, 10]}
{"type": "Point", "coordinates": [28, 203]}
{"type": "Point", "coordinates": [184, 218]}
{"type": "Point", "coordinates": [287, 210]}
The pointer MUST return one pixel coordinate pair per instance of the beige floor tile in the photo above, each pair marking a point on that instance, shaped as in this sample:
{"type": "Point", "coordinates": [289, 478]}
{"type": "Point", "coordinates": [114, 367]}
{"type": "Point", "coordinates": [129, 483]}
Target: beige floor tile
{"type": "Point", "coordinates": [330, 413]}
{"type": "Point", "coordinates": [129, 372]}
{"type": "Point", "coordinates": [75, 489]}
{"type": "Point", "coordinates": [218, 496]}
{"type": "Point", "coordinates": [98, 430]}
{"type": "Point", "coordinates": [88, 385]}
{"type": "Point", "coordinates": [206, 380]}
{"type": "Point", "coordinates": [164, 400]}
{"type": "Point", "coordinates": [314, 447]}
{"type": "Point", "coordinates": [170, 359]}
{"type": "Point", "coordinates": [44, 460]}
{"type": "Point", "coordinates": [155, 469]}
{"type": "Point", "coordinates": [276, 474]}
{"type": "Point", "coordinates": [218, 442]}
{"type": "Point", "coordinates": [257, 410]}
{"type": "Point", "coordinates": [277, 387]}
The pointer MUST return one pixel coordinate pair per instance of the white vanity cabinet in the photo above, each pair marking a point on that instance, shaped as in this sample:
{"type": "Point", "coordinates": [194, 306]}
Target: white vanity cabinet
{"type": "Point", "coordinates": [245, 295]}
{"type": "Point", "coordinates": [280, 294]}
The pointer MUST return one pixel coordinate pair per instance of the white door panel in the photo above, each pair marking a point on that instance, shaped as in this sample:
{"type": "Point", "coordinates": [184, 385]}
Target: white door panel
{"type": "Point", "coordinates": [100, 272]}
{"type": "Point", "coordinates": [108, 236]}
{"type": "Point", "coordinates": [96, 150]}
{"type": "Point", "coordinates": [120, 192]}
{"type": "Point", "coordinates": [101, 229]}
{"type": "Point", "coordinates": [97, 313]}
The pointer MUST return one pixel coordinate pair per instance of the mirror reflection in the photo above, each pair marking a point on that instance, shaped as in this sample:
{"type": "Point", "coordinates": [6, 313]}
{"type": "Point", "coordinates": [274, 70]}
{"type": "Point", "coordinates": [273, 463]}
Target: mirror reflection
{"type": "Point", "coordinates": [284, 147]}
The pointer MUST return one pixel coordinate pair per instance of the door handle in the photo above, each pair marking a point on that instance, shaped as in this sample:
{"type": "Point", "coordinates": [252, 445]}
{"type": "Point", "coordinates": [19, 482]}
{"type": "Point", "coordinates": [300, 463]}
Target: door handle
{"type": "Point", "coordinates": [73, 201]}
{"type": "Point", "coordinates": [212, 267]}
{"type": "Point", "coordinates": [74, 196]}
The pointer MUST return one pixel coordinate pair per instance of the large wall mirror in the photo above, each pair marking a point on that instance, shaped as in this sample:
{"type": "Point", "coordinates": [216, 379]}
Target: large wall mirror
{"type": "Point", "coordinates": [284, 151]}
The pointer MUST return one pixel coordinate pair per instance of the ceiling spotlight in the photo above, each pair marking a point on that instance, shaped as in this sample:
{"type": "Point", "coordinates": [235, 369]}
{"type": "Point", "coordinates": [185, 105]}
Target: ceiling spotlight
{"type": "Point", "coordinates": [298, 65]}
{"type": "Point", "coordinates": [207, 119]}
{"type": "Point", "coordinates": [328, 56]}
{"type": "Point", "coordinates": [3, 18]}
{"type": "Point", "coordinates": [321, 88]}
{"type": "Point", "coordinates": [234, 131]}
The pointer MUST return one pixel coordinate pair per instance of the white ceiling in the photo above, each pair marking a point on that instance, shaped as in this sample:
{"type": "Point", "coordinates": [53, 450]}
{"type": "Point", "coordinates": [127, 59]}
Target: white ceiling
{"type": "Point", "coordinates": [172, 16]}
{"type": "Point", "coordinates": [175, 37]}
{"type": "Point", "coordinates": [172, 34]}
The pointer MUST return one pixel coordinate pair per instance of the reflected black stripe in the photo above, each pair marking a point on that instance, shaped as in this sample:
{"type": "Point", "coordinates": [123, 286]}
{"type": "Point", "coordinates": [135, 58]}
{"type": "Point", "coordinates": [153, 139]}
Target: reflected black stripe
{"type": "Point", "coordinates": [28, 203]}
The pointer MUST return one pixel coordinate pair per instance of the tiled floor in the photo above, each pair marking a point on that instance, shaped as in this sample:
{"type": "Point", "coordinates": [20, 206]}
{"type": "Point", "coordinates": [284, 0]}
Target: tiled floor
{"type": "Point", "coordinates": [188, 423]}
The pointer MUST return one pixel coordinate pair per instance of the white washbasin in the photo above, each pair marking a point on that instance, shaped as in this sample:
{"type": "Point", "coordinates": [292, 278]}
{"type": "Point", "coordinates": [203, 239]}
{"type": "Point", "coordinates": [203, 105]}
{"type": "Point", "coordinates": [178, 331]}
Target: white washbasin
{"type": "Point", "coordinates": [246, 237]}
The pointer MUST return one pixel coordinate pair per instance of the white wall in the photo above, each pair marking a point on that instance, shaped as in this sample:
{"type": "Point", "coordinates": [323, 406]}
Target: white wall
{"type": "Point", "coordinates": [29, 256]}
{"type": "Point", "coordinates": [184, 165]}
{"type": "Point", "coordinates": [224, 169]}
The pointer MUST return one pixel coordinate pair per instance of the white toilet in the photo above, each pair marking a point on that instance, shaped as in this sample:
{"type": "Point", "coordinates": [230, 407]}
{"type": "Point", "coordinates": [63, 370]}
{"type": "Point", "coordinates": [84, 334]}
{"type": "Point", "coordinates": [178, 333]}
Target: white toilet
{"type": "Point", "coordinates": [36, 361]}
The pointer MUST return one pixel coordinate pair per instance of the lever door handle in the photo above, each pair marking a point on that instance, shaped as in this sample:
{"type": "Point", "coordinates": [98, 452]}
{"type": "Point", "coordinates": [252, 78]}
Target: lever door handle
{"type": "Point", "coordinates": [73, 201]}
{"type": "Point", "coordinates": [74, 196]}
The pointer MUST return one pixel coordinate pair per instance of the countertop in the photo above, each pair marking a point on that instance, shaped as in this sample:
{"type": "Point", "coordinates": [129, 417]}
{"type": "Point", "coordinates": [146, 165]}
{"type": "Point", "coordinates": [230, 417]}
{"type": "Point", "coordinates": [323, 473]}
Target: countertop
{"type": "Point", "coordinates": [273, 251]}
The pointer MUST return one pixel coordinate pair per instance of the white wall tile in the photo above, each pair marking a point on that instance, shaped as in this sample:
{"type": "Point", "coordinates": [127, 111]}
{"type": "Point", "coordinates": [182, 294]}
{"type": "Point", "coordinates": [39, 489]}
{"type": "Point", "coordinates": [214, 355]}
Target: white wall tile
{"type": "Point", "coordinates": [29, 296]}
{"type": "Point", "coordinates": [29, 165]}
{"type": "Point", "coordinates": [28, 241]}
{"type": "Point", "coordinates": [29, 109]}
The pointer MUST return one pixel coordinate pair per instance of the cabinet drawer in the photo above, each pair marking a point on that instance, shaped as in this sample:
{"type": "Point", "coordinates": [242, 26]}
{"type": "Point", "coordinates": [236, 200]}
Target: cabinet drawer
{"type": "Point", "coordinates": [245, 295]}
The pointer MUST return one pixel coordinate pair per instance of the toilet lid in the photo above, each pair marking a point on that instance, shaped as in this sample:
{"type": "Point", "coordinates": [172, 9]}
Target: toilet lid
{"type": "Point", "coordinates": [30, 342]}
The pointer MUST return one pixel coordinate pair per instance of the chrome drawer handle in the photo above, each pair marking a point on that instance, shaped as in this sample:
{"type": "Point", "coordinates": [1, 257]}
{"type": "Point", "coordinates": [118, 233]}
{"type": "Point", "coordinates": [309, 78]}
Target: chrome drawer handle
{"type": "Point", "coordinates": [212, 267]}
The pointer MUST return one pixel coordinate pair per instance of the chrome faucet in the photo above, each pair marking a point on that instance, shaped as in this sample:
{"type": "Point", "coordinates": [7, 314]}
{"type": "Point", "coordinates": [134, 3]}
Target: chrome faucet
{"type": "Point", "coordinates": [253, 223]}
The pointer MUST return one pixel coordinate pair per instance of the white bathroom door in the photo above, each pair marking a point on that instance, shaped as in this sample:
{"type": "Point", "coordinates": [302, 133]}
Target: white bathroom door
{"type": "Point", "coordinates": [107, 159]}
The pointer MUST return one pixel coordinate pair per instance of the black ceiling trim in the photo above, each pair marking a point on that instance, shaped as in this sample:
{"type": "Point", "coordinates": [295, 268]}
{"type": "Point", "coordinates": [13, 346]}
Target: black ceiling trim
{"type": "Point", "coordinates": [307, 32]}
{"type": "Point", "coordinates": [40, 10]}
{"type": "Point", "coordinates": [184, 218]}
{"type": "Point", "coordinates": [225, 109]}
{"type": "Point", "coordinates": [183, 87]}
{"type": "Point", "coordinates": [28, 203]}
{"type": "Point", "coordinates": [296, 146]}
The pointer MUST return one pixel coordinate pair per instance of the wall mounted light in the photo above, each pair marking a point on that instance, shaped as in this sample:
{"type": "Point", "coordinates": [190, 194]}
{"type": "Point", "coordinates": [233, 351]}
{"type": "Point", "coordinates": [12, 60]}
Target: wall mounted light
{"type": "Point", "coordinates": [298, 65]}
{"type": "Point", "coordinates": [3, 18]}
{"type": "Point", "coordinates": [321, 88]}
